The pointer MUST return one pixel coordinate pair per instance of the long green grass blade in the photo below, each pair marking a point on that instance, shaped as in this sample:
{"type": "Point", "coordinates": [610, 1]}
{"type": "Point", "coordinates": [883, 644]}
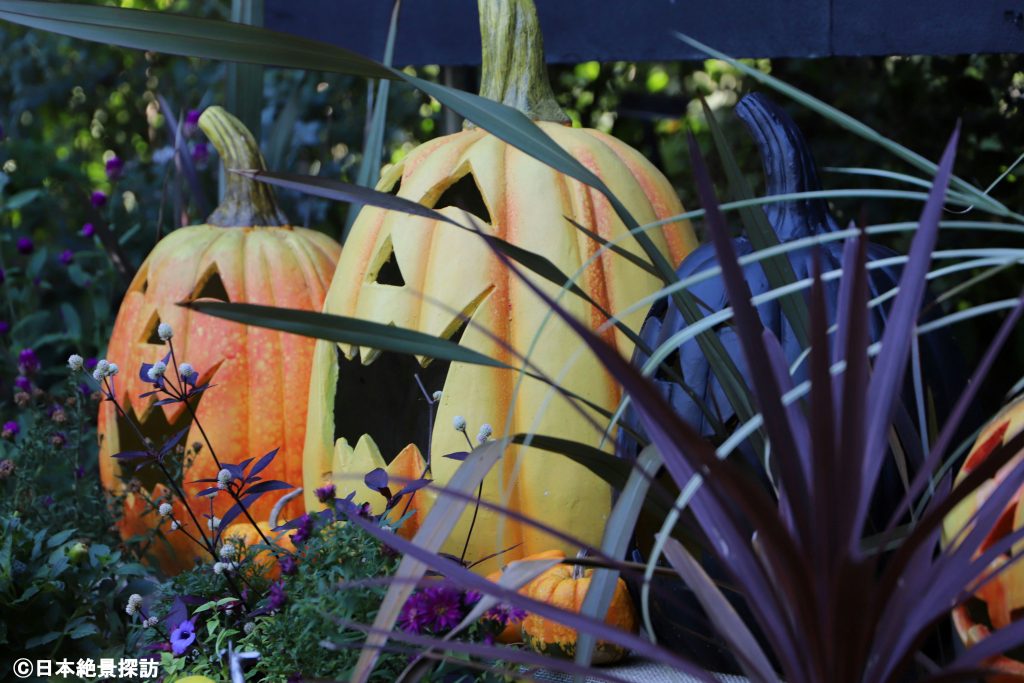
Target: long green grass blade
{"type": "Point", "coordinates": [245, 81]}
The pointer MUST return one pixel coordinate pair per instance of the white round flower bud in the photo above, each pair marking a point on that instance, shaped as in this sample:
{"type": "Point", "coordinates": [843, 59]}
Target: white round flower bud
{"type": "Point", "coordinates": [186, 370]}
{"type": "Point", "coordinates": [249, 627]}
{"type": "Point", "coordinates": [437, 396]}
{"type": "Point", "coordinates": [175, 526]}
{"type": "Point", "coordinates": [75, 362]}
{"type": "Point", "coordinates": [213, 523]}
{"type": "Point", "coordinates": [157, 371]}
{"type": "Point", "coordinates": [484, 433]}
{"type": "Point", "coordinates": [218, 568]}
{"type": "Point", "coordinates": [164, 331]}
{"type": "Point", "coordinates": [459, 423]}
{"type": "Point", "coordinates": [227, 551]}
{"type": "Point", "coordinates": [165, 509]}
{"type": "Point", "coordinates": [112, 369]}
{"type": "Point", "coordinates": [223, 479]}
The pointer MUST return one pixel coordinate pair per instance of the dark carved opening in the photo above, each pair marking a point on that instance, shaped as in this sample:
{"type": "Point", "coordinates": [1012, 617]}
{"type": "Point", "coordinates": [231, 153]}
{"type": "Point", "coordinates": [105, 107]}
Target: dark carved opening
{"type": "Point", "coordinates": [390, 273]}
{"type": "Point", "coordinates": [151, 334]}
{"type": "Point", "coordinates": [157, 429]}
{"type": "Point", "coordinates": [465, 195]}
{"type": "Point", "coordinates": [212, 287]}
{"type": "Point", "coordinates": [383, 399]}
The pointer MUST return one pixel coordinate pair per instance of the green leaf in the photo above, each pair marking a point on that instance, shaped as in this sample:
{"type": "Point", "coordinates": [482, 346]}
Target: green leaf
{"type": "Point", "coordinates": [83, 630]}
{"type": "Point", "coordinates": [189, 36]}
{"type": "Point", "coordinates": [244, 97]}
{"type": "Point", "coordinates": [23, 198]}
{"type": "Point", "coordinates": [36, 641]}
{"type": "Point", "coordinates": [72, 322]}
{"type": "Point", "coordinates": [345, 330]}
{"type": "Point", "coordinates": [59, 538]}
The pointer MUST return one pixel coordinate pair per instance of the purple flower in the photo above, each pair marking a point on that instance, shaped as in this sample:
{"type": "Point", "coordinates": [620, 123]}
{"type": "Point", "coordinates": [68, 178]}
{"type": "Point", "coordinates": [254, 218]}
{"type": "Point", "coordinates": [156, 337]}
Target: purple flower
{"type": "Point", "coordinates": [325, 494]}
{"type": "Point", "coordinates": [438, 608]}
{"type": "Point", "coordinates": [5, 327]}
{"type": "Point", "coordinates": [99, 198]}
{"type": "Point", "coordinates": [414, 617]}
{"type": "Point", "coordinates": [288, 565]}
{"type": "Point", "coordinates": [304, 531]}
{"type": "Point", "coordinates": [182, 636]}
{"type": "Point", "coordinates": [505, 614]}
{"type": "Point", "coordinates": [10, 429]}
{"type": "Point", "coordinates": [88, 230]}
{"type": "Point", "coordinates": [23, 383]}
{"type": "Point", "coordinates": [200, 153]}
{"type": "Point", "coordinates": [3, 276]}
{"type": "Point", "coordinates": [90, 363]}
{"type": "Point", "coordinates": [66, 257]}
{"type": "Point", "coordinates": [28, 361]}
{"type": "Point", "coordinates": [191, 121]}
{"type": "Point", "coordinates": [47, 501]}
{"type": "Point", "coordinates": [26, 245]}
{"type": "Point", "coordinates": [115, 168]}
{"type": "Point", "coordinates": [276, 597]}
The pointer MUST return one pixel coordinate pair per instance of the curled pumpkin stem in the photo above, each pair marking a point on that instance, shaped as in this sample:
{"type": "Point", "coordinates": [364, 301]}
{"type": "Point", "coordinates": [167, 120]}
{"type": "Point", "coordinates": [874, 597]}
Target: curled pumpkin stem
{"type": "Point", "coordinates": [275, 512]}
{"type": "Point", "coordinates": [246, 202]}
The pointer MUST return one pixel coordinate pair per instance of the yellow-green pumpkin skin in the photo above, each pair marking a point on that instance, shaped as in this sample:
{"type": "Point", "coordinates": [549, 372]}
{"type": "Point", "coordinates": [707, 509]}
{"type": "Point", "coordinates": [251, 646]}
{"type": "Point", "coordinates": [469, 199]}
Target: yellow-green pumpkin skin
{"type": "Point", "coordinates": [1003, 595]}
{"type": "Point", "coordinates": [446, 271]}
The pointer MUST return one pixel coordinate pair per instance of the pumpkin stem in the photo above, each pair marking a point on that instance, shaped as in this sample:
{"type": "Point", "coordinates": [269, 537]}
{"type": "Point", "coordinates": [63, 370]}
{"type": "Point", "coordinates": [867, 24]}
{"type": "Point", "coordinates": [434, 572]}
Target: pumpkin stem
{"type": "Point", "coordinates": [578, 569]}
{"type": "Point", "coordinates": [513, 70]}
{"type": "Point", "coordinates": [246, 202]}
{"type": "Point", "coordinates": [788, 167]}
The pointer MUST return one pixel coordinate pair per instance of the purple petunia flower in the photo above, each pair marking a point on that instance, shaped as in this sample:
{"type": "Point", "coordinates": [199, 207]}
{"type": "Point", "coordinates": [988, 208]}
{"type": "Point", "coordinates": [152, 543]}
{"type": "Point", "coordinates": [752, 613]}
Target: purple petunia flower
{"type": "Point", "coordinates": [276, 597]}
{"type": "Point", "coordinates": [66, 257]}
{"type": "Point", "coordinates": [115, 167]}
{"type": "Point", "coordinates": [28, 361]}
{"type": "Point", "coordinates": [288, 565]}
{"type": "Point", "coordinates": [98, 198]}
{"type": "Point", "coordinates": [88, 230]}
{"type": "Point", "coordinates": [23, 383]}
{"type": "Point", "coordinates": [200, 153]}
{"type": "Point", "coordinates": [325, 494]}
{"type": "Point", "coordinates": [26, 246]}
{"type": "Point", "coordinates": [304, 531]}
{"type": "Point", "coordinates": [182, 636]}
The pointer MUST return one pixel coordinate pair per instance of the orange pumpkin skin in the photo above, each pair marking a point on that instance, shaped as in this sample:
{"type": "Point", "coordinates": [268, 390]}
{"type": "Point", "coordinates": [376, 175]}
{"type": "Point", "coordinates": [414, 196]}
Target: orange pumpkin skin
{"type": "Point", "coordinates": [563, 586]}
{"type": "Point", "coordinates": [259, 377]}
{"type": "Point", "coordinates": [513, 631]}
{"type": "Point", "coordinates": [1003, 595]}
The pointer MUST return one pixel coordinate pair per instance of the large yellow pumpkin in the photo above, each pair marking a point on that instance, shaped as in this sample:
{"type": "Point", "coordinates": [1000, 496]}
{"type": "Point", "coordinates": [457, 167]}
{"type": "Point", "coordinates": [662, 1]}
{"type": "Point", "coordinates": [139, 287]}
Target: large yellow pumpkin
{"type": "Point", "coordinates": [246, 252]}
{"type": "Point", "coordinates": [998, 602]}
{"type": "Point", "coordinates": [366, 407]}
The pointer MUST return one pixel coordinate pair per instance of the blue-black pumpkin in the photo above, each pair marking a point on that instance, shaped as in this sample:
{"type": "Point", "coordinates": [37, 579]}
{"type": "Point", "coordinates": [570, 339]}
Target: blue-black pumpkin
{"type": "Point", "coordinates": [789, 168]}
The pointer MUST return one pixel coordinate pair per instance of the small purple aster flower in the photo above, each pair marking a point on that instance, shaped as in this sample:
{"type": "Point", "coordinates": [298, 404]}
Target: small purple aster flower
{"type": "Point", "coordinates": [325, 494]}
{"type": "Point", "coordinates": [88, 230]}
{"type": "Point", "coordinates": [23, 383]}
{"type": "Point", "coordinates": [115, 168]}
{"type": "Point", "coordinates": [303, 532]}
{"type": "Point", "coordinates": [200, 153]}
{"type": "Point", "coordinates": [443, 605]}
{"type": "Point", "coordinates": [28, 361]}
{"type": "Point", "coordinates": [26, 246]}
{"type": "Point", "coordinates": [505, 614]}
{"type": "Point", "coordinates": [191, 121]}
{"type": "Point", "coordinates": [66, 257]}
{"type": "Point", "coordinates": [10, 429]}
{"type": "Point", "coordinates": [288, 565]}
{"type": "Point", "coordinates": [5, 327]}
{"type": "Point", "coordinates": [276, 597]}
{"type": "Point", "coordinates": [98, 198]}
{"type": "Point", "coordinates": [414, 617]}
{"type": "Point", "coordinates": [183, 635]}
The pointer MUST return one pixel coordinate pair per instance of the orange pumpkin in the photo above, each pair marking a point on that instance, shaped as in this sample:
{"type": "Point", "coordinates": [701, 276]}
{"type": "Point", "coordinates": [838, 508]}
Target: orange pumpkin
{"type": "Point", "coordinates": [1000, 599]}
{"type": "Point", "coordinates": [566, 587]}
{"type": "Point", "coordinates": [246, 535]}
{"type": "Point", "coordinates": [513, 631]}
{"type": "Point", "coordinates": [245, 252]}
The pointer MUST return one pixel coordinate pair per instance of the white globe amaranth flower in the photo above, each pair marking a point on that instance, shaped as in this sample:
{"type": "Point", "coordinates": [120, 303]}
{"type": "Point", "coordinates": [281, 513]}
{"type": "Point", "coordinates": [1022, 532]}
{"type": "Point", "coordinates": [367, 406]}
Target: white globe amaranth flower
{"type": "Point", "coordinates": [75, 362]}
{"type": "Point", "coordinates": [175, 526]}
{"type": "Point", "coordinates": [249, 627]}
{"type": "Point", "coordinates": [151, 622]}
{"type": "Point", "coordinates": [485, 433]}
{"type": "Point", "coordinates": [112, 369]}
{"type": "Point", "coordinates": [186, 370]}
{"type": "Point", "coordinates": [223, 479]}
{"type": "Point", "coordinates": [134, 600]}
{"type": "Point", "coordinates": [218, 567]}
{"type": "Point", "coordinates": [164, 331]}
{"type": "Point", "coordinates": [165, 509]}
{"type": "Point", "coordinates": [437, 396]}
{"type": "Point", "coordinates": [157, 371]}
{"type": "Point", "coordinates": [459, 423]}
{"type": "Point", "coordinates": [228, 551]}
{"type": "Point", "coordinates": [100, 371]}
{"type": "Point", "coordinates": [213, 523]}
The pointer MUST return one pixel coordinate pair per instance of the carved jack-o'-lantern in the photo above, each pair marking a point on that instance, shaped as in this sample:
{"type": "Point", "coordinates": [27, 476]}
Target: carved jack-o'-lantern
{"type": "Point", "coordinates": [246, 252]}
{"type": "Point", "coordinates": [366, 407]}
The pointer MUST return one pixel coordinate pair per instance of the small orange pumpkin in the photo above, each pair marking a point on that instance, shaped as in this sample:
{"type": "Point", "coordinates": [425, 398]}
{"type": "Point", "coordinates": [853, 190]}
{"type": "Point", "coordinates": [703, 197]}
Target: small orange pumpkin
{"type": "Point", "coordinates": [246, 535]}
{"type": "Point", "coordinates": [247, 252]}
{"type": "Point", "coordinates": [513, 632]}
{"type": "Point", "coordinates": [566, 587]}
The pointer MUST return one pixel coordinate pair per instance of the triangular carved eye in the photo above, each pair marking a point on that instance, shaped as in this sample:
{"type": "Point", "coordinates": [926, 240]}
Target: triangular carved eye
{"type": "Point", "coordinates": [211, 286]}
{"type": "Point", "coordinates": [465, 194]}
{"type": "Point", "coordinates": [150, 335]}
{"type": "Point", "coordinates": [385, 270]}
